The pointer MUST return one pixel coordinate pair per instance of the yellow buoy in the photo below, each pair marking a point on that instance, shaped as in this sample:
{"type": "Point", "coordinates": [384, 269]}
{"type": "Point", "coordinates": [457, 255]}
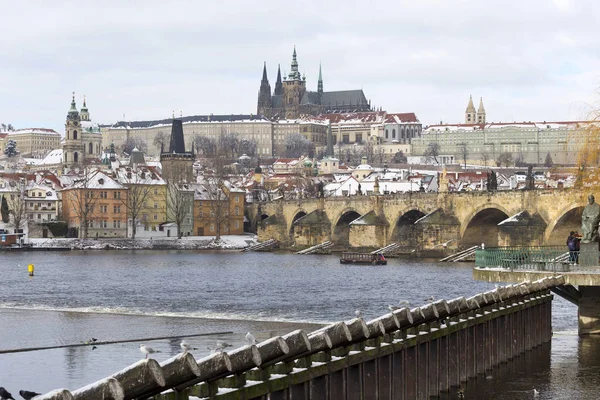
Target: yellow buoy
{"type": "Point", "coordinates": [30, 268]}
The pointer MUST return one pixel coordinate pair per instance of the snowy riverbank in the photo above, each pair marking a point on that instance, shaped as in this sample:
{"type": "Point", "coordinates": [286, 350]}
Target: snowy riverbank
{"type": "Point", "coordinates": [229, 242]}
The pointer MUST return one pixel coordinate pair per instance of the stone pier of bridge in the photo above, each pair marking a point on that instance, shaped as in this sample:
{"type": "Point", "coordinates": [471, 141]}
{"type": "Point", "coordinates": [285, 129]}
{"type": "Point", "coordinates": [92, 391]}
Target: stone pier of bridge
{"type": "Point", "coordinates": [423, 221]}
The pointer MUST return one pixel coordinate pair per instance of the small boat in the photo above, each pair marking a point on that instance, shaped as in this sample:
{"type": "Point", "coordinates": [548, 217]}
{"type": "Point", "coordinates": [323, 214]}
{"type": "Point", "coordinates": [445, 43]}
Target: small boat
{"type": "Point", "coordinates": [363, 258]}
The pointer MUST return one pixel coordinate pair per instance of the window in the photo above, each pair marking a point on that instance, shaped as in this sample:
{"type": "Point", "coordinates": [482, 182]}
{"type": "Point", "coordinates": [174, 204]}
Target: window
{"type": "Point", "coordinates": [386, 134]}
{"type": "Point", "coordinates": [104, 209]}
{"type": "Point", "coordinates": [212, 227]}
{"type": "Point", "coordinates": [237, 199]}
{"type": "Point", "coordinates": [75, 137]}
{"type": "Point", "coordinates": [155, 206]}
{"type": "Point", "coordinates": [155, 217]}
{"type": "Point", "coordinates": [117, 195]}
{"type": "Point", "coordinates": [237, 211]}
{"type": "Point", "coordinates": [39, 216]}
{"type": "Point", "coordinates": [116, 209]}
{"type": "Point", "coordinates": [393, 134]}
{"type": "Point", "coordinates": [237, 224]}
{"type": "Point", "coordinates": [155, 191]}
{"type": "Point", "coordinates": [358, 138]}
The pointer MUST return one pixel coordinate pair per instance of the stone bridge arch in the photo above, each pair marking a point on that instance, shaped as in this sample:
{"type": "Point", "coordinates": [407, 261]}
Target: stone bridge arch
{"type": "Point", "coordinates": [299, 213]}
{"type": "Point", "coordinates": [403, 229]}
{"type": "Point", "coordinates": [340, 229]}
{"type": "Point", "coordinates": [568, 219]}
{"type": "Point", "coordinates": [481, 225]}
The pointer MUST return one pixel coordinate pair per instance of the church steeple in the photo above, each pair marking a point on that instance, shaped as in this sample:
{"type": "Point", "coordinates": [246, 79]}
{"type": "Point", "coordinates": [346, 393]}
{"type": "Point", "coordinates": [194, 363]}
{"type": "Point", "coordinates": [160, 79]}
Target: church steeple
{"type": "Point", "coordinates": [73, 113]}
{"type": "Point", "coordinates": [470, 113]}
{"type": "Point", "coordinates": [278, 85]}
{"type": "Point", "coordinates": [320, 83]}
{"type": "Point", "coordinates": [294, 73]}
{"type": "Point", "coordinates": [481, 112]}
{"type": "Point", "coordinates": [264, 77]}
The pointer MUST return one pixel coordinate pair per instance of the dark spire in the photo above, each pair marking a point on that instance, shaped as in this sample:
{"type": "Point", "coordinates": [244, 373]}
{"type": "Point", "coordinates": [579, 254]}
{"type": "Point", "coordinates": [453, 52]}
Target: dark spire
{"type": "Point", "coordinates": [264, 77]}
{"type": "Point", "coordinates": [73, 113]}
{"type": "Point", "coordinates": [177, 144]}
{"type": "Point", "coordinates": [278, 85]}
{"type": "Point", "coordinates": [320, 84]}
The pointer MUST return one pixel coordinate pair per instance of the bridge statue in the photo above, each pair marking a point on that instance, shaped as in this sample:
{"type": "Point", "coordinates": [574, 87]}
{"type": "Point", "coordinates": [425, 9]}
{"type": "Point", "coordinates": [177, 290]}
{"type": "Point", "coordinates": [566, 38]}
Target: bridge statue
{"type": "Point", "coordinates": [590, 220]}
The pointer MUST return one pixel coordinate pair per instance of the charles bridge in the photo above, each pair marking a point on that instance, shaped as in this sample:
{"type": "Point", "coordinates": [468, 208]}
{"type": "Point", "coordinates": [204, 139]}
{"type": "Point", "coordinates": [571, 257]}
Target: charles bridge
{"type": "Point", "coordinates": [423, 220]}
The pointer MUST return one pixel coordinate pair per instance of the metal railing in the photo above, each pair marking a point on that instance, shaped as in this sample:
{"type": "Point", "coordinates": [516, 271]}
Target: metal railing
{"type": "Point", "coordinates": [528, 258]}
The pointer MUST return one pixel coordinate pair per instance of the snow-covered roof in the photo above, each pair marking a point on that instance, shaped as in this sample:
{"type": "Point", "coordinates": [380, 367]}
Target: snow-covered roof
{"type": "Point", "coordinates": [26, 131]}
{"type": "Point", "coordinates": [95, 180]}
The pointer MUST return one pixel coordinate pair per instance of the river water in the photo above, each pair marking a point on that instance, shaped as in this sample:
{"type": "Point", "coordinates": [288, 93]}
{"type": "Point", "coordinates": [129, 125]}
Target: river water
{"type": "Point", "coordinates": [121, 295]}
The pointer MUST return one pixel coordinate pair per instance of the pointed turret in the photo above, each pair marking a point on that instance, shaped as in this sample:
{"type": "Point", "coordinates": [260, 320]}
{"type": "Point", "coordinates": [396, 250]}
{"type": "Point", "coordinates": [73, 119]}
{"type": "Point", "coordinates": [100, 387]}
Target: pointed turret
{"type": "Point", "coordinates": [481, 112]}
{"type": "Point", "coordinates": [264, 76]}
{"type": "Point", "coordinates": [470, 113]}
{"type": "Point", "coordinates": [278, 85]}
{"type": "Point", "coordinates": [85, 115]}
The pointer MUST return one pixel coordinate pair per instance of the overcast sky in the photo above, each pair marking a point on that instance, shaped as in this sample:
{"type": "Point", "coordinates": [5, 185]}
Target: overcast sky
{"type": "Point", "coordinates": [529, 60]}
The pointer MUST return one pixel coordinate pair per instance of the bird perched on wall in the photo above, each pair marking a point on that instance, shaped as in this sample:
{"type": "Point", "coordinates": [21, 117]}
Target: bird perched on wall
{"type": "Point", "coordinates": [358, 313]}
{"type": "Point", "coordinates": [430, 298]}
{"type": "Point", "coordinates": [393, 308]}
{"type": "Point", "coordinates": [185, 346]}
{"type": "Point", "coordinates": [222, 345]}
{"type": "Point", "coordinates": [536, 392]}
{"type": "Point", "coordinates": [27, 395]}
{"type": "Point", "coordinates": [250, 338]}
{"type": "Point", "coordinates": [147, 350]}
{"type": "Point", "coordinates": [4, 395]}
{"type": "Point", "coordinates": [445, 244]}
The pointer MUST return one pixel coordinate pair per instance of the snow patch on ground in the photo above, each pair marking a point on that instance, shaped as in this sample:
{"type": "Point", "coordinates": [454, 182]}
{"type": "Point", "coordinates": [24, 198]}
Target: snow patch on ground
{"type": "Point", "coordinates": [229, 242]}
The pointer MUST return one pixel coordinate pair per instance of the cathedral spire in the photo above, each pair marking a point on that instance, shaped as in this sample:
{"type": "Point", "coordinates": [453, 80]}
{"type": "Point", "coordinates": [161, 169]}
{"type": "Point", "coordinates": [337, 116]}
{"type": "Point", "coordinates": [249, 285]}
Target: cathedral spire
{"type": "Point", "coordinates": [294, 73]}
{"type": "Point", "coordinates": [481, 112]}
{"type": "Point", "coordinates": [470, 113]}
{"type": "Point", "coordinates": [264, 77]}
{"type": "Point", "coordinates": [73, 105]}
{"type": "Point", "coordinates": [278, 84]}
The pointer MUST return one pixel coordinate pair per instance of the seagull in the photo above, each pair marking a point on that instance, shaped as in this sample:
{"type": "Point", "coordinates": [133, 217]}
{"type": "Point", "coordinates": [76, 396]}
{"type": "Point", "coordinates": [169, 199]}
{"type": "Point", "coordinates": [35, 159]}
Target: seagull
{"type": "Point", "coordinates": [536, 392]}
{"type": "Point", "coordinates": [147, 350]}
{"type": "Point", "coordinates": [358, 313]}
{"type": "Point", "coordinates": [27, 395]}
{"type": "Point", "coordinates": [461, 393]}
{"type": "Point", "coordinates": [445, 244]}
{"type": "Point", "coordinates": [185, 346]}
{"type": "Point", "coordinates": [4, 395]}
{"type": "Point", "coordinates": [223, 345]}
{"type": "Point", "coordinates": [404, 303]}
{"type": "Point", "coordinates": [392, 308]}
{"type": "Point", "coordinates": [430, 298]}
{"type": "Point", "coordinates": [250, 338]}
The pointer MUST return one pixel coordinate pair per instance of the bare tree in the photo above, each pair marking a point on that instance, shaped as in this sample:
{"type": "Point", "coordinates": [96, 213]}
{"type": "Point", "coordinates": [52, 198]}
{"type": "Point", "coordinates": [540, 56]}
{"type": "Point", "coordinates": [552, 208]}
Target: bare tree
{"type": "Point", "coordinates": [247, 147]}
{"type": "Point", "coordinates": [369, 149]}
{"type": "Point", "coordinates": [161, 140]}
{"type": "Point", "coordinates": [133, 143]}
{"type": "Point", "coordinates": [138, 193]}
{"type": "Point", "coordinates": [504, 159]}
{"type": "Point", "coordinates": [17, 204]}
{"type": "Point", "coordinates": [464, 152]}
{"type": "Point", "coordinates": [180, 205]}
{"type": "Point", "coordinates": [215, 196]}
{"type": "Point", "coordinates": [205, 145]}
{"type": "Point", "coordinates": [432, 151]}
{"type": "Point", "coordinates": [297, 145]}
{"type": "Point", "coordinates": [229, 143]}
{"type": "Point", "coordinates": [485, 157]}
{"type": "Point", "coordinates": [81, 200]}
{"type": "Point", "coordinates": [380, 154]}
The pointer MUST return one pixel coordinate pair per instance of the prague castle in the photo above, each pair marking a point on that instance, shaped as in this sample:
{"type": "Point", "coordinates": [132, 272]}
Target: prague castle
{"type": "Point", "coordinates": [290, 99]}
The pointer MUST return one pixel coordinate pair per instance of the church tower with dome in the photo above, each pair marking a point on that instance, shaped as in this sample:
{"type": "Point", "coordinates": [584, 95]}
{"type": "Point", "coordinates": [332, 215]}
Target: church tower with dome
{"type": "Point", "coordinates": [82, 142]}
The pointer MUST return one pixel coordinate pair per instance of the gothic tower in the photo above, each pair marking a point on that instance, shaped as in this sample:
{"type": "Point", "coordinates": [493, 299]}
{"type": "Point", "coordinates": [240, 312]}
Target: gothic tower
{"type": "Point", "coordinates": [278, 85]}
{"type": "Point", "coordinates": [84, 114]}
{"type": "Point", "coordinates": [481, 112]}
{"type": "Point", "coordinates": [73, 144]}
{"type": "Point", "coordinates": [293, 90]}
{"type": "Point", "coordinates": [470, 113]}
{"type": "Point", "coordinates": [264, 95]}
{"type": "Point", "coordinates": [177, 164]}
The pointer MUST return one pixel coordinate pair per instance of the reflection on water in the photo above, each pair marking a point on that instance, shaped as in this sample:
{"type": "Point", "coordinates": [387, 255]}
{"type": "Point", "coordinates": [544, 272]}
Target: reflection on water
{"type": "Point", "coordinates": [129, 295]}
